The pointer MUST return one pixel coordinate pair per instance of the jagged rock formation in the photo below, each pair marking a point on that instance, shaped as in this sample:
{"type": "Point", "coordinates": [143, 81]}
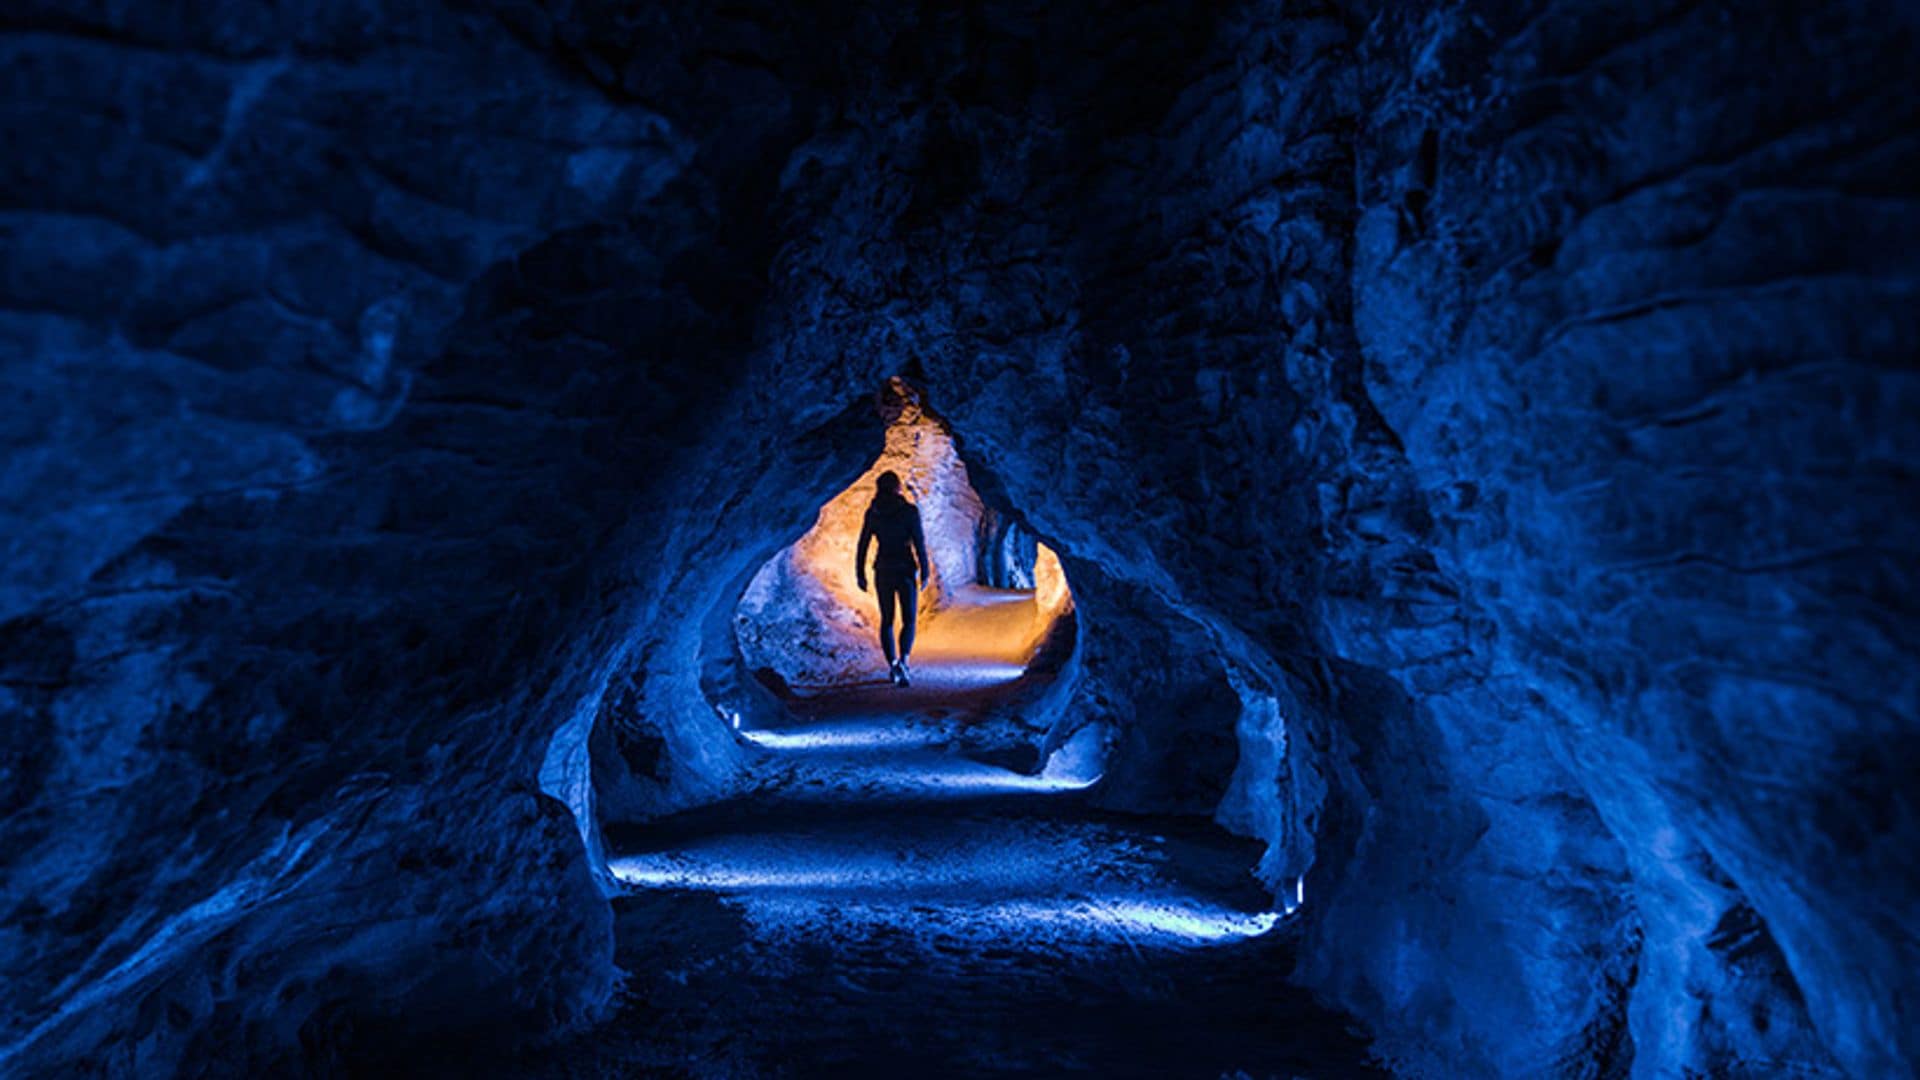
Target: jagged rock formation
{"type": "Point", "coordinates": [1479, 437]}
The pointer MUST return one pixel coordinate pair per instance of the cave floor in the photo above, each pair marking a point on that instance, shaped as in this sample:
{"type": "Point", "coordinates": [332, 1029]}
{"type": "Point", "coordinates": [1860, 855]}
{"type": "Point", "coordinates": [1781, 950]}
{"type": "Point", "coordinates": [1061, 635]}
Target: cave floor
{"type": "Point", "coordinates": [891, 901]}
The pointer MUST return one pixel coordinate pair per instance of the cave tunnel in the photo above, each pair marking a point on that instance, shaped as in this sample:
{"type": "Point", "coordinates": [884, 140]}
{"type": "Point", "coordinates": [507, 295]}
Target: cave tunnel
{"type": "Point", "coordinates": [1420, 509]}
{"type": "Point", "coordinates": [994, 593]}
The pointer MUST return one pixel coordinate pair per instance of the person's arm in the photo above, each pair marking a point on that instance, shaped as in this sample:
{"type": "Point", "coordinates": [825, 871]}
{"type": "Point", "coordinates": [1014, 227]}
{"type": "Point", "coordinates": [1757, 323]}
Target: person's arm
{"type": "Point", "coordinates": [920, 549]}
{"type": "Point", "coordinates": [860, 552]}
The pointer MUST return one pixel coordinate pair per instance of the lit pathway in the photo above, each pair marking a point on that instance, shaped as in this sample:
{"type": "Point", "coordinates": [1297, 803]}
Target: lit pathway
{"type": "Point", "coordinates": [879, 819]}
{"type": "Point", "coordinates": [888, 903]}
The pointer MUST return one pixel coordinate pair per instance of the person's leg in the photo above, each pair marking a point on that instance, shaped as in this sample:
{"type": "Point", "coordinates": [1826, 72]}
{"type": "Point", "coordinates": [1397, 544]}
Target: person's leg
{"type": "Point", "coordinates": [883, 590]}
{"type": "Point", "coordinates": [909, 609]}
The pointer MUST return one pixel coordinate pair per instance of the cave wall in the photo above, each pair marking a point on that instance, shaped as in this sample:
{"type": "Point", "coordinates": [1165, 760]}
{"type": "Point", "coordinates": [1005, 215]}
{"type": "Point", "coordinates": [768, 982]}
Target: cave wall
{"type": "Point", "coordinates": [347, 342]}
{"type": "Point", "coordinates": [1477, 438]}
{"type": "Point", "coordinates": [1634, 287]}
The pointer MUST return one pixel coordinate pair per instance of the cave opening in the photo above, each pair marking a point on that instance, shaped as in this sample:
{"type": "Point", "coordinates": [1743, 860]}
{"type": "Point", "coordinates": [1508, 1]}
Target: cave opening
{"type": "Point", "coordinates": [995, 613]}
{"type": "Point", "coordinates": [964, 805]}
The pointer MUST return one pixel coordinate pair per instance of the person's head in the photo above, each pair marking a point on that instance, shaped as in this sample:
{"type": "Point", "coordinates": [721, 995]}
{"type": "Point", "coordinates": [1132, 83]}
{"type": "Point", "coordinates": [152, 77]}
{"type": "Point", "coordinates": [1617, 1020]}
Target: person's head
{"type": "Point", "coordinates": [888, 486]}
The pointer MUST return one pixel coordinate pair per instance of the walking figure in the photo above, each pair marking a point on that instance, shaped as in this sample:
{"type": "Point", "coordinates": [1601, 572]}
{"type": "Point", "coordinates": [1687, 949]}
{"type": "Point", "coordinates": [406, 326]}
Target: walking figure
{"type": "Point", "coordinates": [895, 524]}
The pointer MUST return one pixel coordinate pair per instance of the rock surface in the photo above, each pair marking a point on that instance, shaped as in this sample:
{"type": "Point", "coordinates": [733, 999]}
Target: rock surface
{"type": "Point", "coordinates": [1480, 437]}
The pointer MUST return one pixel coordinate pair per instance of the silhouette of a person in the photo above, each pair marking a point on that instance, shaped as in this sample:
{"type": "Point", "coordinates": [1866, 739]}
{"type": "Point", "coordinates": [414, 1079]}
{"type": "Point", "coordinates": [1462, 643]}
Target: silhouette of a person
{"type": "Point", "coordinates": [894, 523]}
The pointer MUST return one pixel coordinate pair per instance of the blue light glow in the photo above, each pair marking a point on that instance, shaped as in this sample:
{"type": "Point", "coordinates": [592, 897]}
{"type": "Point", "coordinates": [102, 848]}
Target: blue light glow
{"type": "Point", "coordinates": [847, 735]}
{"type": "Point", "coordinates": [1066, 922]}
{"type": "Point", "coordinates": [1181, 921]}
{"type": "Point", "coordinates": [966, 893]}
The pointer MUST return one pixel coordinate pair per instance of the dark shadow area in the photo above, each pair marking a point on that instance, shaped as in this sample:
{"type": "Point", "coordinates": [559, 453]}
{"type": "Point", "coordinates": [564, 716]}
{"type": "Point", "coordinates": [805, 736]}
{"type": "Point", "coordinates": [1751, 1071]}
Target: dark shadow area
{"type": "Point", "coordinates": [892, 1002]}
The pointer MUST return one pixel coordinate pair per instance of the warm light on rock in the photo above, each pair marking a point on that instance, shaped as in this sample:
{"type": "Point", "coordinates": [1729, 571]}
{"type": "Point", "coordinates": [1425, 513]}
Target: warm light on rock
{"type": "Point", "coordinates": [804, 617]}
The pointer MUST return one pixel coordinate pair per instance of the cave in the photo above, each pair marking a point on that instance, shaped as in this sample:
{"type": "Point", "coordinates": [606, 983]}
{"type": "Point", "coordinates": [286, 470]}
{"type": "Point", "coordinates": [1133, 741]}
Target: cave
{"type": "Point", "coordinates": [995, 594]}
{"type": "Point", "coordinates": [1420, 505]}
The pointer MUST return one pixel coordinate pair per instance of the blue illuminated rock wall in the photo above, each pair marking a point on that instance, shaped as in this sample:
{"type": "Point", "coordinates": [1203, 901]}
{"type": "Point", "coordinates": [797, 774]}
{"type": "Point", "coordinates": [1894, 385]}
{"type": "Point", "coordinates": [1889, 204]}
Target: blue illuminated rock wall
{"type": "Point", "coordinates": [1479, 439]}
{"type": "Point", "coordinates": [1635, 291]}
{"type": "Point", "coordinates": [346, 349]}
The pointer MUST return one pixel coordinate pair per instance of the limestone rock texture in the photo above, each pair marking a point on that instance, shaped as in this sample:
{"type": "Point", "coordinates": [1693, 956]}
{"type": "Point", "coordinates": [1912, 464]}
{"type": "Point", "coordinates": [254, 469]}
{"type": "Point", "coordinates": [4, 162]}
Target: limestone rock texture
{"type": "Point", "coordinates": [1480, 437]}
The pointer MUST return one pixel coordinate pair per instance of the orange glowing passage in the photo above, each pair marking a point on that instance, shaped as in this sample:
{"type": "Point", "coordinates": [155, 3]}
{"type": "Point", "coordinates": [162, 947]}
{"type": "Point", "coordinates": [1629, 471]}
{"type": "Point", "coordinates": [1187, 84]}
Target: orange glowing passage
{"type": "Point", "coordinates": [804, 617]}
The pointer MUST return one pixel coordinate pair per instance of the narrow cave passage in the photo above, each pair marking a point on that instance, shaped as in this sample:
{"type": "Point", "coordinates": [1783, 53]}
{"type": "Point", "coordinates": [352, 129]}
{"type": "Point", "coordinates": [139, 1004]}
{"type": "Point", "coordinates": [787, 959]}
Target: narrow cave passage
{"type": "Point", "coordinates": [1476, 449]}
{"type": "Point", "coordinates": [907, 877]}
{"type": "Point", "coordinates": [995, 599]}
